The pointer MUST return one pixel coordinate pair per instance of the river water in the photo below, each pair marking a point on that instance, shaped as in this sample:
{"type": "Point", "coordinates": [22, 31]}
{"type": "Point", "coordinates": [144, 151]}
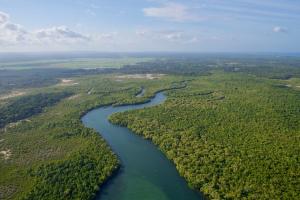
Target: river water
{"type": "Point", "coordinates": [145, 173]}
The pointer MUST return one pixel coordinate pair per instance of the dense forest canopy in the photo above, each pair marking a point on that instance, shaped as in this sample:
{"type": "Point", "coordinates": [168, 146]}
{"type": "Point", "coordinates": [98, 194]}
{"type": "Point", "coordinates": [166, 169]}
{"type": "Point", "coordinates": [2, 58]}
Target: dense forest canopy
{"type": "Point", "coordinates": [231, 136]}
{"type": "Point", "coordinates": [27, 106]}
{"type": "Point", "coordinates": [231, 126]}
{"type": "Point", "coordinates": [68, 160]}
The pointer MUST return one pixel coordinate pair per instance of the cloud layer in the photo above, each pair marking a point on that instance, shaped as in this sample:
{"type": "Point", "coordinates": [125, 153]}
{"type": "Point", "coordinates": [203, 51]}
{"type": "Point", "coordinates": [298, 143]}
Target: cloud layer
{"type": "Point", "coordinates": [279, 29]}
{"type": "Point", "coordinates": [15, 34]}
{"type": "Point", "coordinates": [172, 12]}
{"type": "Point", "coordinates": [60, 34]}
{"type": "Point", "coordinates": [151, 25]}
{"type": "Point", "coordinates": [173, 36]}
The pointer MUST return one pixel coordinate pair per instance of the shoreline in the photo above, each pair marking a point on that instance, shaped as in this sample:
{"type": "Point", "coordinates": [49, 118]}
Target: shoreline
{"type": "Point", "coordinates": [118, 169]}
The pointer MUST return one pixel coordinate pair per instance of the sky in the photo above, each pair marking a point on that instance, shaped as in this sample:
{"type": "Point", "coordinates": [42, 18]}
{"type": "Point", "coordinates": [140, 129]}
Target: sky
{"type": "Point", "coordinates": [150, 25]}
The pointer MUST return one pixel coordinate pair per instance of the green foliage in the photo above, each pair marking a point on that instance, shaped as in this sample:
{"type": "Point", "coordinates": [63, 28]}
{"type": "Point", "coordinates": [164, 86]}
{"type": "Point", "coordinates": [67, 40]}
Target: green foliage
{"type": "Point", "coordinates": [77, 177]}
{"type": "Point", "coordinates": [231, 136]}
{"type": "Point", "coordinates": [53, 156]}
{"type": "Point", "coordinates": [27, 106]}
{"type": "Point", "coordinates": [271, 66]}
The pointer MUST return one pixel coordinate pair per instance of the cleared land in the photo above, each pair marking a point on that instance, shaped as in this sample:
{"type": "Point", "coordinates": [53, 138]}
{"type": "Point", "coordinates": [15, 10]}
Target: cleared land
{"type": "Point", "coordinates": [12, 94]}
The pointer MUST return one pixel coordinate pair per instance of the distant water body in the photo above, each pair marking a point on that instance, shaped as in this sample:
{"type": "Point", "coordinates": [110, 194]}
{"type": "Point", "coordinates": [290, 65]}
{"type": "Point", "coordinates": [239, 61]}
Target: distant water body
{"type": "Point", "coordinates": [145, 173]}
{"type": "Point", "coordinates": [35, 56]}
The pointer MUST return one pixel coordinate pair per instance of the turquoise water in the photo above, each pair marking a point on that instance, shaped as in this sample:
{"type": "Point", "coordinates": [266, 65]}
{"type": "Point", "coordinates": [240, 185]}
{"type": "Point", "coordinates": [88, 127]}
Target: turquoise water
{"type": "Point", "coordinates": [145, 173]}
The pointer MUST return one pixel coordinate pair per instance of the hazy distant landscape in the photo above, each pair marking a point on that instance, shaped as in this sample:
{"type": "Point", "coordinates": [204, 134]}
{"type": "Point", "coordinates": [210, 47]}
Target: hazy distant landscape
{"type": "Point", "coordinates": [73, 63]}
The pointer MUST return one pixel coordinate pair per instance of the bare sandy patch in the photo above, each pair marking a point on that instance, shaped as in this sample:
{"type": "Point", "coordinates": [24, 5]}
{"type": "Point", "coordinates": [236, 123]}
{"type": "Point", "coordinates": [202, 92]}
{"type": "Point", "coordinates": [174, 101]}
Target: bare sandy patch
{"type": "Point", "coordinates": [14, 124]}
{"type": "Point", "coordinates": [139, 76]}
{"type": "Point", "coordinates": [12, 94]}
{"type": "Point", "coordinates": [74, 97]}
{"type": "Point", "coordinates": [67, 82]}
{"type": "Point", "coordinates": [6, 154]}
{"type": "Point", "coordinates": [90, 91]}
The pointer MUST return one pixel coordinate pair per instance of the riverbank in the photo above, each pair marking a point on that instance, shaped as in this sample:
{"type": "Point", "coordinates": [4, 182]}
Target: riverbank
{"type": "Point", "coordinates": [62, 145]}
{"type": "Point", "coordinates": [138, 178]}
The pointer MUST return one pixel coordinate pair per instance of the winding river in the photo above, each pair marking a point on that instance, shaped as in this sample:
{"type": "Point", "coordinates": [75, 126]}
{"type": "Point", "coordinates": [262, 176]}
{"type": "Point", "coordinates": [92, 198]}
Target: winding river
{"type": "Point", "coordinates": [145, 173]}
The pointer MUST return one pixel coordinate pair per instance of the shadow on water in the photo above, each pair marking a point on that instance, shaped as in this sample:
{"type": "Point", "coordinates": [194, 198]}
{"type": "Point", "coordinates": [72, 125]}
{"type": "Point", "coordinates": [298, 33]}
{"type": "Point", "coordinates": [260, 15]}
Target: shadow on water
{"type": "Point", "coordinates": [145, 172]}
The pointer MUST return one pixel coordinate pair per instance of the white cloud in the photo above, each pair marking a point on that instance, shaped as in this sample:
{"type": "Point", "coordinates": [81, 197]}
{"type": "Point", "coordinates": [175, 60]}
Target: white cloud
{"type": "Point", "coordinates": [172, 12]}
{"type": "Point", "coordinates": [15, 34]}
{"type": "Point", "coordinates": [279, 29]}
{"type": "Point", "coordinates": [141, 33]}
{"type": "Point", "coordinates": [173, 36]}
{"type": "Point", "coordinates": [60, 34]}
{"type": "Point", "coordinates": [106, 36]}
{"type": "Point", "coordinates": [3, 17]}
{"type": "Point", "coordinates": [90, 12]}
{"type": "Point", "coordinates": [11, 33]}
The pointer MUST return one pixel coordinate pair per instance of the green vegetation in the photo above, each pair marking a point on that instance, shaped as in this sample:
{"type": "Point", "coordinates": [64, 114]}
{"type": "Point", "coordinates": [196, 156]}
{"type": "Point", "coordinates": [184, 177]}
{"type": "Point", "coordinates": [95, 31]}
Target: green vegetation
{"type": "Point", "coordinates": [232, 129]}
{"type": "Point", "coordinates": [27, 106]}
{"type": "Point", "coordinates": [275, 67]}
{"type": "Point", "coordinates": [78, 177]}
{"type": "Point", "coordinates": [232, 136]}
{"type": "Point", "coordinates": [52, 155]}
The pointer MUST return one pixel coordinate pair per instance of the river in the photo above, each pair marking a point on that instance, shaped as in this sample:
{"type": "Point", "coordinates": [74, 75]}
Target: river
{"type": "Point", "coordinates": [145, 173]}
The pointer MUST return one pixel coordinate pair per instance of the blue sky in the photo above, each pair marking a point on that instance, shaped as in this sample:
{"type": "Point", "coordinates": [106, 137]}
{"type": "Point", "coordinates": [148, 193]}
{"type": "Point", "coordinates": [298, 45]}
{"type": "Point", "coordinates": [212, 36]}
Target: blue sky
{"type": "Point", "coordinates": [150, 25]}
